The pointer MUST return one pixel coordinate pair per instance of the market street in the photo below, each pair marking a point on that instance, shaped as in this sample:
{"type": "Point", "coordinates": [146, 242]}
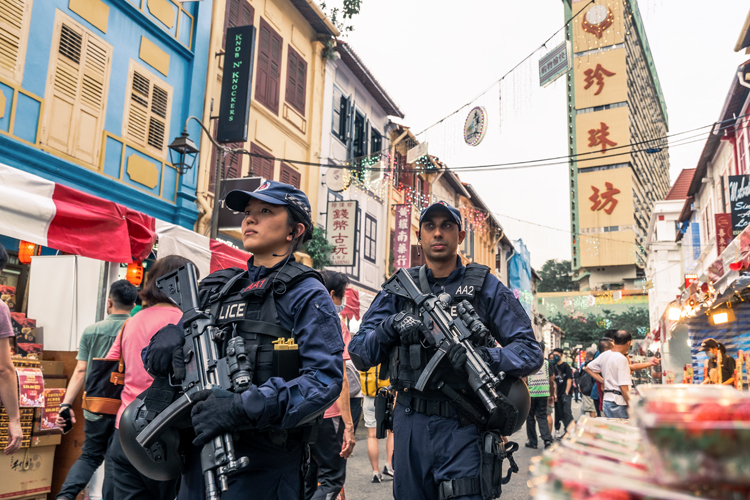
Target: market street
{"type": "Point", "coordinates": [358, 470]}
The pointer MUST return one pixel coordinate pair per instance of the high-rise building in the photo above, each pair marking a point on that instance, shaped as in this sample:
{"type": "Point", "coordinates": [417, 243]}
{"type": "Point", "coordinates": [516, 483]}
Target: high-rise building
{"type": "Point", "coordinates": [617, 127]}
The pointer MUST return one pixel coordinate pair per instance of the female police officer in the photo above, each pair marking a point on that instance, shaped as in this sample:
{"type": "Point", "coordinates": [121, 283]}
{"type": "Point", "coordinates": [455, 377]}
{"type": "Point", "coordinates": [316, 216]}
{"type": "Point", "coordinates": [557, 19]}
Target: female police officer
{"type": "Point", "coordinates": [276, 303]}
{"type": "Point", "coordinates": [436, 454]}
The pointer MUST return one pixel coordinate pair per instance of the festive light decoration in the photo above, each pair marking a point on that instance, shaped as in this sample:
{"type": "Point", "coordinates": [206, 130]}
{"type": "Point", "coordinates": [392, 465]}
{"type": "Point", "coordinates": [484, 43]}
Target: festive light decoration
{"type": "Point", "coordinates": [477, 219]}
{"type": "Point", "coordinates": [25, 251]}
{"type": "Point", "coordinates": [134, 273]}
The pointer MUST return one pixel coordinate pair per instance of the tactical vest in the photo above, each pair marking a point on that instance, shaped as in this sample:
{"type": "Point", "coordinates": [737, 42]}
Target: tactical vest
{"type": "Point", "coordinates": [248, 309]}
{"type": "Point", "coordinates": [407, 362]}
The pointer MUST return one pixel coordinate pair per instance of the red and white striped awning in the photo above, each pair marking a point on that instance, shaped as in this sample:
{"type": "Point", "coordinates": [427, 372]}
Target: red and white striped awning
{"type": "Point", "coordinates": [45, 213]}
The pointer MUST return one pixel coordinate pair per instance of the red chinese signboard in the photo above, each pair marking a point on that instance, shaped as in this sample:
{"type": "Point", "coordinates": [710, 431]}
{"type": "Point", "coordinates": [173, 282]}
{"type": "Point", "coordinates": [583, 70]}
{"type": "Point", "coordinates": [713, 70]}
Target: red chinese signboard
{"type": "Point", "coordinates": [341, 229]}
{"type": "Point", "coordinates": [723, 232]}
{"type": "Point", "coordinates": [30, 387]}
{"type": "Point", "coordinates": [402, 237]}
{"type": "Point", "coordinates": [596, 75]}
{"type": "Point", "coordinates": [604, 198]}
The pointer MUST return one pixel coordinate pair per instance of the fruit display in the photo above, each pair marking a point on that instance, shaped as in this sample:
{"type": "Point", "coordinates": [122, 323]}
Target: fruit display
{"type": "Point", "coordinates": [697, 434]}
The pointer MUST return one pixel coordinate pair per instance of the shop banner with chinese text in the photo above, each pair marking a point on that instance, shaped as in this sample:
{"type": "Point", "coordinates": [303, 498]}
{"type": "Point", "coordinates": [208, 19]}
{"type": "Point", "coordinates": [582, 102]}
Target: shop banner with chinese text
{"type": "Point", "coordinates": [402, 237]}
{"type": "Point", "coordinates": [341, 230]}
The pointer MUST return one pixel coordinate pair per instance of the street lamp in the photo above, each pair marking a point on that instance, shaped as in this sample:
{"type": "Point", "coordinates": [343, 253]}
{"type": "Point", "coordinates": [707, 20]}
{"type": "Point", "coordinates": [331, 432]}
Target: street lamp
{"type": "Point", "coordinates": [183, 152]}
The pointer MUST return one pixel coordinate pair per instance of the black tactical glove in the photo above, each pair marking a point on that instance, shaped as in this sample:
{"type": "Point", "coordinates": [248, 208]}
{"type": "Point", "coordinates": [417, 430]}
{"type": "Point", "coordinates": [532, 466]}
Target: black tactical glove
{"type": "Point", "coordinates": [409, 328]}
{"type": "Point", "coordinates": [457, 355]}
{"type": "Point", "coordinates": [164, 355]}
{"type": "Point", "coordinates": [217, 411]}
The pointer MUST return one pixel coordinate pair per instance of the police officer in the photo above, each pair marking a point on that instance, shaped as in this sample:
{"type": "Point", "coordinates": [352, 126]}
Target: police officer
{"type": "Point", "coordinates": [436, 454]}
{"type": "Point", "coordinates": [292, 332]}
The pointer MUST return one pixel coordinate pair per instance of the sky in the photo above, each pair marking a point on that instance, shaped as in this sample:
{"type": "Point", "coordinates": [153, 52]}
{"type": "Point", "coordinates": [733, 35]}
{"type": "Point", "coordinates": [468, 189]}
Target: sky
{"type": "Point", "coordinates": [434, 57]}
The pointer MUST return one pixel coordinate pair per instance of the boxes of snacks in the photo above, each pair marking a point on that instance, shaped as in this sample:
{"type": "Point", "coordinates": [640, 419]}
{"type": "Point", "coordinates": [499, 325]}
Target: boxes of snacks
{"type": "Point", "coordinates": [696, 434]}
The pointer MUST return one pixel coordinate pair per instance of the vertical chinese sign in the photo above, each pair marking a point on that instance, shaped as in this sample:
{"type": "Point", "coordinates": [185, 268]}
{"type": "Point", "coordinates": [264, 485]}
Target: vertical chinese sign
{"type": "Point", "coordinates": [724, 234]}
{"type": "Point", "coordinates": [402, 237]}
{"type": "Point", "coordinates": [341, 229]}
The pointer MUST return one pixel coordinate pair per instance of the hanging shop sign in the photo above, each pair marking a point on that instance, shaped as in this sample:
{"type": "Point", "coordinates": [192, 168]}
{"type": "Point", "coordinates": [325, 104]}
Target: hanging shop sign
{"type": "Point", "coordinates": [338, 179]}
{"type": "Point", "coordinates": [554, 64]}
{"type": "Point", "coordinates": [724, 233]}
{"type": "Point", "coordinates": [402, 237]}
{"type": "Point", "coordinates": [341, 230]}
{"type": "Point", "coordinates": [235, 84]}
{"type": "Point", "coordinates": [739, 198]}
{"type": "Point", "coordinates": [475, 126]}
{"type": "Point", "coordinates": [416, 153]}
{"type": "Point", "coordinates": [690, 279]}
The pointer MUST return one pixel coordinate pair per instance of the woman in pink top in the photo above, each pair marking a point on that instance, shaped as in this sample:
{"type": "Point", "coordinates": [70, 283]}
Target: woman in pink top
{"type": "Point", "coordinates": [158, 311]}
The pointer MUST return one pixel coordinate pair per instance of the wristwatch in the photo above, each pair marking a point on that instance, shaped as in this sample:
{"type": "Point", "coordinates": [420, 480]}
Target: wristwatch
{"type": "Point", "coordinates": [65, 405]}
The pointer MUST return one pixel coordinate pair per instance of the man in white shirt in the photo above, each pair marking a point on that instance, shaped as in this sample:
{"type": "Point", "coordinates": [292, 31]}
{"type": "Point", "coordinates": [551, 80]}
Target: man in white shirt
{"type": "Point", "coordinates": [612, 369]}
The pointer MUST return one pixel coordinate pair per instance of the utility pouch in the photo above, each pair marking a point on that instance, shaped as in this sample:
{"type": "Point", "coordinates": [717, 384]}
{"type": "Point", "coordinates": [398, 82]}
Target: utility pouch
{"type": "Point", "coordinates": [493, 451]}
{"type": "Point", "coordinates": [383, 413]}
{"type": "Point", "coordinates": [286, 363]}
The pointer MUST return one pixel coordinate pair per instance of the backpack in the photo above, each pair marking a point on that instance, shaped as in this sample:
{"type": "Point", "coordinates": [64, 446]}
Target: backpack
{"type": "Point", "coordinates": [371, 381]}
{"type": "Point", "coordinates": [352, 375]}
{"type": "Point", "coordinates": [585, 382]}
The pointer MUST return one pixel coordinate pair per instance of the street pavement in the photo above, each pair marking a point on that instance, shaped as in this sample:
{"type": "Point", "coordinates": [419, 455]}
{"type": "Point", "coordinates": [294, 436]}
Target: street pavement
{"type": "Point", "coordinates": [359, 472]}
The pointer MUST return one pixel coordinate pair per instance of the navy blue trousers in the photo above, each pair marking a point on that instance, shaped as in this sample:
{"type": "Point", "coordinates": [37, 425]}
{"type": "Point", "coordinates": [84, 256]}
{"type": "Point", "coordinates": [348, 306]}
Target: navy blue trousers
{"type": "Point", "coordinates": [429, 450]}
{"type": "Point", "coordinates": [274, 472]}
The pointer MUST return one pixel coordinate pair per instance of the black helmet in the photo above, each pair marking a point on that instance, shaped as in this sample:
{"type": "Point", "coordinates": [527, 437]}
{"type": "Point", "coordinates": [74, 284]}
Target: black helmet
{"type": "Point", "coordinates": [511, 418]}
{"type": "Point", "coordinates": [162, 461]}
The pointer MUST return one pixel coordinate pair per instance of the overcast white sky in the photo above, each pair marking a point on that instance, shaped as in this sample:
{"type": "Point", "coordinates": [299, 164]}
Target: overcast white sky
{"type": "Point", "coordinates": [433, 56]}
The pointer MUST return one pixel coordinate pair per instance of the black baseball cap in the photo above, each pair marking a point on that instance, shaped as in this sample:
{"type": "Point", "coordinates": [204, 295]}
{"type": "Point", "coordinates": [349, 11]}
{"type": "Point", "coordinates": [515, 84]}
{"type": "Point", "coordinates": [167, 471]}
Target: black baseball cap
{"type": "Point", "coordinates": [275, 193]}
{"type": "Point", "coordinates": [441, 205]}
{"type": "Point", "coordinates": [708, 344]}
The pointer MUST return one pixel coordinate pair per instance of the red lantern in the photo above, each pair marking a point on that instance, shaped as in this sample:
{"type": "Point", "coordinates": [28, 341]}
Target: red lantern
{"type": "Point", "coordinates": [25, 252]}
{"type": "Point", "coordinates": [135, 273]}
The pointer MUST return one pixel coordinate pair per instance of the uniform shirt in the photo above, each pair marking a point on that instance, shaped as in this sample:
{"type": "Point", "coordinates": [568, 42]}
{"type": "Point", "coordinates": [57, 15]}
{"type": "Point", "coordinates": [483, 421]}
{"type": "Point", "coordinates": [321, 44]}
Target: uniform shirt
{"type": "Point", "coordinates": [615, 370]}
{"type": "Point", "coordinates": [306, 309]}
{"type": "Point", "coordinates": [6, 327]}
{"type": "Point", "coordinates": [136, 335]}
{"type": "Point", "coordinates": [563, 373]}
{"type": "Point", "coordinates": [96, 342]}
{"type": "Point", "coordinates": [539, 382]}
{"type": "Point", "coordinates": [727, 367]}
{"type": "Point", "coordinates": [509, 324]}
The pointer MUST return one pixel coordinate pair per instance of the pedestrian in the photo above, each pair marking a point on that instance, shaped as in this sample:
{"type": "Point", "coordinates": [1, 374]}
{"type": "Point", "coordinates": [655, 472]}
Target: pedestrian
{"type": "Point", "coordinates": [95, 342]}
{"type": "Point", "coordinates": [576, 392]}
{"type": "Point", "coordinates": [586, 383]}
{"type": "Point", "coordinates": [289, 302]}
{"type": "Point", "coordinates": [539, 389]}
{"type": "Point", "coordinates": [8, 385]}
{"type": "Point", "coordinates": [158, 311]}
{"type": "Point", "coordinates": [613, 371]}
{"type": "Point", "coordinates": [327, 471]}
{"type": "Point", "coordinates": [371, 384]}
{"type": "Point", "coordinates": [717, 356]}
{"type": "Point", "coordinates": [436, 452]}
{"type": "Point", "coordinates": [553, 393]}
{"type": "Point", "coordinates": [564, 383]}
{"type": "Point", "coordinates": [604, 345]}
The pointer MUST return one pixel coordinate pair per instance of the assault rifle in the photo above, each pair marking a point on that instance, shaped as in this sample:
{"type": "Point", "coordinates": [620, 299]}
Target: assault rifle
{"type": "Point", "coordinates": [443, 332]}
{"type": "Point", "coordinates": [204, 369]}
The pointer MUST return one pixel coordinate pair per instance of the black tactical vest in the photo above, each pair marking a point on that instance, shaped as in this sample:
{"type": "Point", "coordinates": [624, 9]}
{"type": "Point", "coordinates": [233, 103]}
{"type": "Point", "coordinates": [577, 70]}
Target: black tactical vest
{"type": "Point", "coordinates": [248, 309]}
{"type": "Point", "coordinates": [407, 362]}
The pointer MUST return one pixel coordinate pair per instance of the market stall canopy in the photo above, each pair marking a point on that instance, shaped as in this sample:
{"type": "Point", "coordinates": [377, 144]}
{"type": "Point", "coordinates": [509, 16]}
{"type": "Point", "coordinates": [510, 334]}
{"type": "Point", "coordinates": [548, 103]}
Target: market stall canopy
{"type": "Point", "coordinates": [53, 215]}
{"type": "Point", "coordinates": [208, 255]}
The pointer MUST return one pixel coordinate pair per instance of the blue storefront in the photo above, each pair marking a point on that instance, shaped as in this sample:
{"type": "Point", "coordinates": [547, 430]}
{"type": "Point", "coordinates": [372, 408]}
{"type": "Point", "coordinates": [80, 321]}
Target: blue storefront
{"type": "Point", "coordinates": [93, 91]}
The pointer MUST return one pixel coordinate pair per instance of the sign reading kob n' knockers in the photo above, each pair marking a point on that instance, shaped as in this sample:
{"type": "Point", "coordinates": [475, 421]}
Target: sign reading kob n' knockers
{"type": "Point", "coordinates": [235, 84]}
{"type": "Point", "coordinates": [341, 229]}
{"type": "Point", "coordinates": [739, 197]}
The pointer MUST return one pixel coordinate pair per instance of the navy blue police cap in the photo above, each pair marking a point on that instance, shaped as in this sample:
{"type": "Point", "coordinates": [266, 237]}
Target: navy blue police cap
{"type": "Point", "coordinates": [275, 193]}
{"type": "Point", "coordinates": [441, 205]}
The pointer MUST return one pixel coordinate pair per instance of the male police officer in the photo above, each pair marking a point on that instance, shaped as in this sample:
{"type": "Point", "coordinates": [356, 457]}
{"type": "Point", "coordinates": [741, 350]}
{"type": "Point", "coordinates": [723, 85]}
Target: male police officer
{"type": "Point", "coordinates": [436, 455]}
{"type": "Point", "coordinates": [294, 343]}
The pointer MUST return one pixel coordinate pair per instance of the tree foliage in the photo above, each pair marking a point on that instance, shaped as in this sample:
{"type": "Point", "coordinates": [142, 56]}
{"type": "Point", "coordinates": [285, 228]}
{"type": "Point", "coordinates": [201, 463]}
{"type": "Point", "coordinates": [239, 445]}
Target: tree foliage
{"type": "Point", "coordinates": [556, 277]}
{"type": "Point", "coordinates": [340, 16]}
{"type": "Point", "coordinates": [319, 249]}
{"type": "Point", "coordinates": [588, 329]}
